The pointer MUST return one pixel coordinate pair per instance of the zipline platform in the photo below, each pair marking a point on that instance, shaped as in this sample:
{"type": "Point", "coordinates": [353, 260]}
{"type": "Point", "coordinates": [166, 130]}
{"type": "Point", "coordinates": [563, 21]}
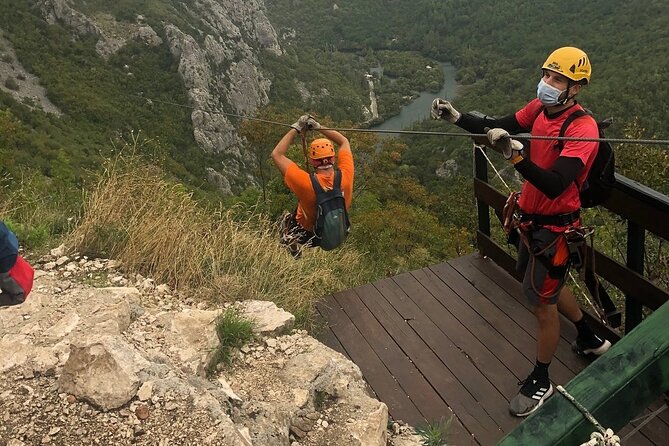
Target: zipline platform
{"type": "Point", "coordinates": [452, 341]}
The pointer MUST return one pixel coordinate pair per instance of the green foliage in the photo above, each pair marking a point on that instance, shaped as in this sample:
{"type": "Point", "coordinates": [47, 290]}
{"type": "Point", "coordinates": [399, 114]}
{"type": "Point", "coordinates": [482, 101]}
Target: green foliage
{"type": "Point", "coordinates": [39, 209]}
{"type": "Point", "coordinates": [435, 433]}
{"type": "Point", "coordinates": [406, 211]}
{"type": "Point", "coordinates": [30, 236]}
{"type": "Point", "coordinates": [11, 83]}
{"type": "Point", "coordinates": [233, 331]}
{"type": "Point", "coordinates": [100, 100]}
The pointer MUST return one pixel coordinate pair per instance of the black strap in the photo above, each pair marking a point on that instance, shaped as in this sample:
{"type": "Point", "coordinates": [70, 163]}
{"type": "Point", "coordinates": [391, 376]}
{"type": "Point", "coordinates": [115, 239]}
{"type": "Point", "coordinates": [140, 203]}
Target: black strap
{"type": "Point", "coordinates": [337, 181]}
{"type": "Point", "coordinates": [565, 125]}
{"type": "Point", "coordinates": [336, 184]}
{"type": "Point", "coordinates": [551, 220]}
{"type": "Point", "coordinates": [315, 184]}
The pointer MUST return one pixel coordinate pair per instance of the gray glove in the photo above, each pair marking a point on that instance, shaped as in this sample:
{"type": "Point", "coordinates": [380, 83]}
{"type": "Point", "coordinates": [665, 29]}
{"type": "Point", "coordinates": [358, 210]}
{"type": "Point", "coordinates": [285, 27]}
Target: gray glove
{"type": "Point", "coordinates": [443, 109]}
{"type": "Point", "coordinates": [301, 123]}
{"type": "Point", "coordinates": [312, 124]}
{"type": "Point", "coordinates": [502, 141]}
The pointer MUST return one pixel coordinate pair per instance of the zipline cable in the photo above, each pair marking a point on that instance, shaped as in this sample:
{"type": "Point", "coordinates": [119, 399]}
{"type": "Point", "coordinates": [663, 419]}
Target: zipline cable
{"type": "Point", "coordinates": [419, 132]}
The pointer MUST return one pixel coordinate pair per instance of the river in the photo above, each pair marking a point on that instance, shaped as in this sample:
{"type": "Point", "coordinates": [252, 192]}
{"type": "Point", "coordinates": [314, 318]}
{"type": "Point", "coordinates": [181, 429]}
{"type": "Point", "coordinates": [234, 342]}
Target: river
{"type": "Point", "coordinates": [419, 109]}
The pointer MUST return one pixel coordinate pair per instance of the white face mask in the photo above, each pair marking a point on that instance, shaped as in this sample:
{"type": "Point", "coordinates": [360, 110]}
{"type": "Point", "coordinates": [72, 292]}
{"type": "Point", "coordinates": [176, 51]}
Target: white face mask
{"type": "Point", "coordinates": [548, 95]}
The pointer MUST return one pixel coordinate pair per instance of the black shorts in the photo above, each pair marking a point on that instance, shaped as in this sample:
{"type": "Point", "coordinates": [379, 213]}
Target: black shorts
{"type": "Point", "coordinates": [545, 269]}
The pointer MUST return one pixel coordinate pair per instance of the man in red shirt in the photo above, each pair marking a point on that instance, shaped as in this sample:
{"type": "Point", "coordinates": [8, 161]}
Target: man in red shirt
{"type": "Point", "coordinates": [298, 228]}
{"type": "Point", "coordinates": [549, 204]}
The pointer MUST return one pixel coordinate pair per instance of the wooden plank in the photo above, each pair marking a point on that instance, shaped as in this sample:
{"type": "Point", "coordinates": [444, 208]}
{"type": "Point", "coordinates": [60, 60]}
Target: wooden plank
{"type": "Point", "coordinates": [631, 200]}
{"type": "Point", "coordinates": [655, 430]}
{"type": "Point", "coordinates": [503, 349]}
{"type": "Point", "coordinates": [638, 439]}
{"type": "Point", "coordinates": [451, 354]}
{"type": "Point", "coordinates": [432, 312]}
{"type": "Point", "coordinates": [516, 334]}
{"type": "Point", "coordinates": [388, 350]}
{"type": "Point", "coordinates": [512, 287]}
{"type": "Point", "coordinates": [328, 338]}
{"type": "Point", "coordinates": [489, 195]}
{"type": "Point", "coordinates": [513, 306]}
{"type": "Point", "coordinates": [469, 412]}
{"type": "Point", "coordinates": [640, 204]}
{"type": "Point", "coordinates": [504, 260]}
{"type": "Point", "coordinates": [629, 282]}
{"type": "Point", "coordinates": [487, 247]}
{"type": "Point", "coordinates": [375, 372]}
{"type": "Point", "coordinates": [614, 389]}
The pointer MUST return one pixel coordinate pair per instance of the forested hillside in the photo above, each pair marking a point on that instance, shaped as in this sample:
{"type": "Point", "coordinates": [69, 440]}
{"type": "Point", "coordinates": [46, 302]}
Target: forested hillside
{"type": "Point", "coordinates": [498, 48]}
{"type": "Point", "coordinates": [413, 200]}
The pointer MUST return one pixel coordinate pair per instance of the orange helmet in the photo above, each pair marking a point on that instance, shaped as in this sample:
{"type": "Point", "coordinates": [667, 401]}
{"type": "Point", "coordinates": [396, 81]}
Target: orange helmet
{"type": "Point", "coordinates": [321, 148]}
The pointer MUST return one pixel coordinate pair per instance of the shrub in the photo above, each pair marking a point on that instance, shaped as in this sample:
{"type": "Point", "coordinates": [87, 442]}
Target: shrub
{"type": "Point", "coordinates": [233, 332]}
{"type": "Point", "coordinates": [11, 84]}
{"type": "Point", "coordinates": [435, 433]}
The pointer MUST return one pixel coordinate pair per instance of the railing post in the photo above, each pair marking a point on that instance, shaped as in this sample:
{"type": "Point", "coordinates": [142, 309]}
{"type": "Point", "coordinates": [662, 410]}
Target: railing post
{"type": "Point", "coordinates": [481, 172]}
{"type": "Point", "coordinates": [636, 238]}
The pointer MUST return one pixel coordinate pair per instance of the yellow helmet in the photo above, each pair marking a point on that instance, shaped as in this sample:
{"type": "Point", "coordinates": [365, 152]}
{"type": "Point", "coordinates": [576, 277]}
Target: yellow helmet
{"type": "Point", "coordinates": [570, 62]}
{"type": "Point", "coordinates": [321, 148]}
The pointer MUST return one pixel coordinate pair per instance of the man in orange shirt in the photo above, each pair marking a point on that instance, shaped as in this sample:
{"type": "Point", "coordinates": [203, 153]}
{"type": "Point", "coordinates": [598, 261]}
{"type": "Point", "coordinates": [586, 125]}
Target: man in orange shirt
{"type": "Point", "coordinates": [298, 228]}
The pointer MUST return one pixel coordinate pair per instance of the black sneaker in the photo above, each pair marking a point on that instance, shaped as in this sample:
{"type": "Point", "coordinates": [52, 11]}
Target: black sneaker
{"type": "Point", "coordinates": [594, 346]}
{"type": "Point", "coordinates": [532, 394]}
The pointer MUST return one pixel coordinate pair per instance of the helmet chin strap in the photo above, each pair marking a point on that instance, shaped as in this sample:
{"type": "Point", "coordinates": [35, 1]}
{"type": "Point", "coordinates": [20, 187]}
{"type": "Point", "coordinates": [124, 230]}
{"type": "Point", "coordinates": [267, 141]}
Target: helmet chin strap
{"type": "Point", "coordinates": [567, 98]}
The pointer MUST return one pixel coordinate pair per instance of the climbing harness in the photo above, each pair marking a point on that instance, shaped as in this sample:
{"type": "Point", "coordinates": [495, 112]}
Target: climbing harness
{"type": "Point", "coordinates": [517, 225]}
{"type": "Point", "coordinates": [601, 437]}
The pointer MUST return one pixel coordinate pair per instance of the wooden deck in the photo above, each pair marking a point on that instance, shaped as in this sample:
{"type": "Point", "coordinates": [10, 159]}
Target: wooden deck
{"type": "Point", "coordinates": [452, 341]}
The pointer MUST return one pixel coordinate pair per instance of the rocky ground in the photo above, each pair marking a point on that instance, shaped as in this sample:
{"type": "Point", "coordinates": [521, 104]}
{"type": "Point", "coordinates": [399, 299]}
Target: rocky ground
{"type": "Point", "coordinates": [102, 358]}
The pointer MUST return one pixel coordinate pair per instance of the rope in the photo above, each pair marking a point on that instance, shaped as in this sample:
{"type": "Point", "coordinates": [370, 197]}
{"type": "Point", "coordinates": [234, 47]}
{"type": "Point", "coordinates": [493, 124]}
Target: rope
{"type": "Point", "coordinates": [419, 132]}
{"type": "Point", "coordinates": [493, 167]}
{"type": "Point", "coordinates": [646, 419]}
{"type": "Point", "coordinates": [304, 151]}
{"type": "Point", "coordinates": [603, 437]}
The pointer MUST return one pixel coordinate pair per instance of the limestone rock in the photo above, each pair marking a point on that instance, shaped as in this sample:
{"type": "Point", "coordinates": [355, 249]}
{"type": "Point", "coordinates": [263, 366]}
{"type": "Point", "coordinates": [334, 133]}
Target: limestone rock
{"type": "Point", "coordinates": [103, 371]}
{"type": "Point", "coordinates": [269, 319]}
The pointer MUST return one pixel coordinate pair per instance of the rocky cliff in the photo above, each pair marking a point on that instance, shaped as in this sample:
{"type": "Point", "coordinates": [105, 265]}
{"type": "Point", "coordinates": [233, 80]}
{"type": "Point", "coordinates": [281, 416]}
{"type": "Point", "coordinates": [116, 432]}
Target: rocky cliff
{"type": "Point", "coordinates": [123, 363]}
{"type": "Point", "coordinates": [218, 57]}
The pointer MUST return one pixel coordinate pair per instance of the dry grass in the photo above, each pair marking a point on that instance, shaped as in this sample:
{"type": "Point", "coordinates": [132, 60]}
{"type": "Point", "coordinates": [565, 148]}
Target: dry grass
{"type": "Point", "coordinates": [155, 227]}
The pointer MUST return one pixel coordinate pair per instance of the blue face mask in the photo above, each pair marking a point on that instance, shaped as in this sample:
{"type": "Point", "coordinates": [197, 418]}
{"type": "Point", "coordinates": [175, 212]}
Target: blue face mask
{"type": "Point", "coordinates": [547, 94]}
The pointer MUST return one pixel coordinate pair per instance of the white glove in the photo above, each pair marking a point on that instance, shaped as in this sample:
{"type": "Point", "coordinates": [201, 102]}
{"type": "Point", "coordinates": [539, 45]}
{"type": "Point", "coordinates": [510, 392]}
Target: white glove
{"type": "Point", "coordinates": [301, 123]}
{"type": "Point", "coordinates": [312, 124]}
{"type": "Point", "coordinates": [502, 141]}
{"type": "Point", "coordinates": [443, 109]}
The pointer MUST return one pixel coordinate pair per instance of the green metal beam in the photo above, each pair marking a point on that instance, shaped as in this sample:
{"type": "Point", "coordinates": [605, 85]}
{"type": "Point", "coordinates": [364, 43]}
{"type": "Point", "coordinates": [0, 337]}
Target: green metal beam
{"type": "Point", "coordinates": [615, 389]}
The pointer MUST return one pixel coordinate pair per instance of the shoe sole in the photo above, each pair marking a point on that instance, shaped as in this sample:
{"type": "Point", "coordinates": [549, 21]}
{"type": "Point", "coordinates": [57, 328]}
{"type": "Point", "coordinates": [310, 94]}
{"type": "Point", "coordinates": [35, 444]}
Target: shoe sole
{"type": "Point", "coordinates": [599, 351]}
{"type": "Point", "coordinates": [541, 401]}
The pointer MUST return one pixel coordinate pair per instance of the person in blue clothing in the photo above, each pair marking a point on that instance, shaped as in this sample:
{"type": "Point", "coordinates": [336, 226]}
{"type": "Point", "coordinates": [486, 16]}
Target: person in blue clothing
{"type": "Point", "coordinates": [549, 204]}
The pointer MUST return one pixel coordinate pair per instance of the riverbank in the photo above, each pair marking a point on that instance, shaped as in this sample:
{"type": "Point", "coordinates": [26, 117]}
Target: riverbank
{"type": "Point", "coordinates": [419, 109]}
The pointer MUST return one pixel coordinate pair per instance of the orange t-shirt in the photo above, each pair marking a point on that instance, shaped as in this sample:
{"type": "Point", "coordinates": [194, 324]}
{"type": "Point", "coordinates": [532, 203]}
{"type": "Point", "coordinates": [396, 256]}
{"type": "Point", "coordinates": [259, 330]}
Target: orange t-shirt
{"type": "Point", "coordinates": [299, 182]}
